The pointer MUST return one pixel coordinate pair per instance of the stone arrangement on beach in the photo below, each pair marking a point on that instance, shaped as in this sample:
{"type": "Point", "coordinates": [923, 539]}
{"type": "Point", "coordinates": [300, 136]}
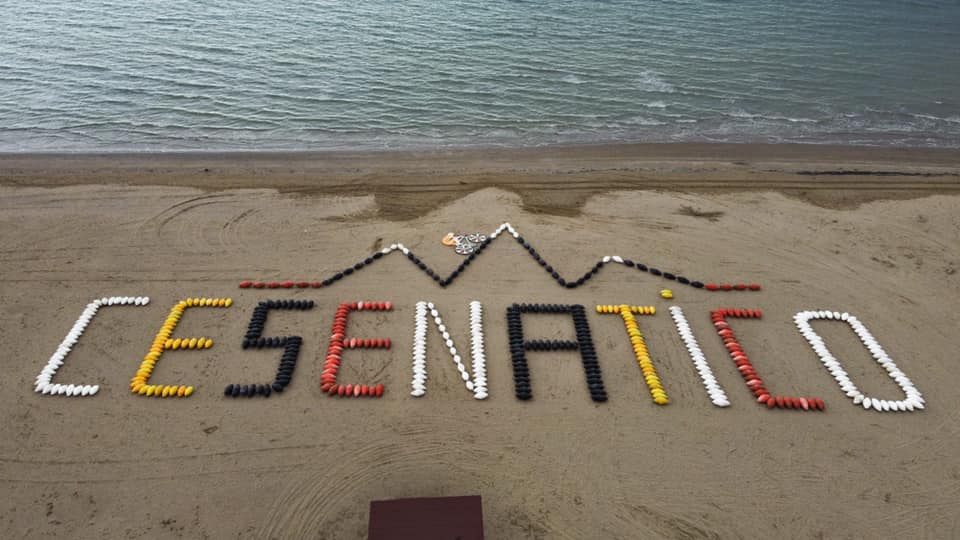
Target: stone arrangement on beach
{"type": "Point", "coordinates": [477, 383]}
{"type": "Point", "coordinates": [44, 381]}
{"type": "Point", "coordinates": [478, 249]}
{"type": "Point", "coordinates": [583, 343]}
{"type": "Point", "coordinates": [717, 396]}
{"type": "Point", "coordinates": [475, 378]}
{"type": "Point", "coordinates": [339, 342]}
{"type": "Point", "coordinates": [163, 342]}
{"type": "Point", "coordinates": [746, 369]}
{"type": "Point", "coordinates": [913, 398]}
{"type": "Point", "coordinates": [650, 376]}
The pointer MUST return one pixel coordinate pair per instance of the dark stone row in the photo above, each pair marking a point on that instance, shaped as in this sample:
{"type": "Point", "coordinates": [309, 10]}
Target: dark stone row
{"type": "Point", "coordinates": [461, 268]}
{"type": "Point", "coordinates": [550, 345]}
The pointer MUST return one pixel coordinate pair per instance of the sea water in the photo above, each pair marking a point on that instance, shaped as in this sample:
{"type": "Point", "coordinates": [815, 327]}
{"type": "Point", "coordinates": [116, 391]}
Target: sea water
{"type": "Point", "coordinates": [93, 75]}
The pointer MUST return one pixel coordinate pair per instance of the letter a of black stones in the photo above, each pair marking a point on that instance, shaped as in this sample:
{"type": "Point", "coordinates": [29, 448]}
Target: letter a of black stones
{"type": "Point", "coordinates": [584, 343]}
{"type": "Point", "coordinates": [254, 338]}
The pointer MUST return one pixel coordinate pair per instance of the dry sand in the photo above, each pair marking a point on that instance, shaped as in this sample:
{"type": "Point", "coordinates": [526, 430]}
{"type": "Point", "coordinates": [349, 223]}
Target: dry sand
{"type": "Point", "coordinates": [883, 246]}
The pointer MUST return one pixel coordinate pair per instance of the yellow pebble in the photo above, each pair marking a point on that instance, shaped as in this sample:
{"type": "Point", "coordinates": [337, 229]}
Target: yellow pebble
{"type": "Point", "coordinates": [176, 344]}
{"type": "Point", "coordinates": [226, 303]}
{"type": "Point", "coordinates": [207, 344]}
{"type": "Point", "coordinates": [192, 344]}
{"type": "Point", "coordinates": [188, 391]}
{"type": "Point", "coordinates": [181, 390]}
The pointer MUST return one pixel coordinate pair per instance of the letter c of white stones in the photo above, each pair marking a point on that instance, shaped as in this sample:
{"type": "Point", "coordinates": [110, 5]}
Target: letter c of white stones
{"type": "Point", "coordinates": [43, 383]}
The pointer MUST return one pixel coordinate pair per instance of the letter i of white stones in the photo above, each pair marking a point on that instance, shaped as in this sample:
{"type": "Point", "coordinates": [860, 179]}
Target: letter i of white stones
{"type": "Point", "coordinates": [710, 383]}
{"type": "Point", "coordinates": [478, 383]}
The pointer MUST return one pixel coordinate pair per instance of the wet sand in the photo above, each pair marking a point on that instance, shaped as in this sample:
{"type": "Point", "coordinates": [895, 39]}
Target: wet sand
{"type": "Point", "coordinates": [869, 231]}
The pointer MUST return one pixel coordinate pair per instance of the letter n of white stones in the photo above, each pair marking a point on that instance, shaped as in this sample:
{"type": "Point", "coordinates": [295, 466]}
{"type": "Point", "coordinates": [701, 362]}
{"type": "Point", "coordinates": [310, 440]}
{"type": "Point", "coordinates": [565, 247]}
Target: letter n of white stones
{"type": "Point", "coordinates": [714, 390]}
{"type": "Point", "coordinates": [914, 400]}
{"type": "Point", "coordinates": [43, 383]}
{"type": "Point", "coordinates": [476, 384]}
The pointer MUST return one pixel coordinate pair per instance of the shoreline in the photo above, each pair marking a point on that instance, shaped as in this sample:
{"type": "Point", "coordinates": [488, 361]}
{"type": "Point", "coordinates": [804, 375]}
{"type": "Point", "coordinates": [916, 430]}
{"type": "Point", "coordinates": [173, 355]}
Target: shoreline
{"type": "Point", "coordinates": [552, 180]}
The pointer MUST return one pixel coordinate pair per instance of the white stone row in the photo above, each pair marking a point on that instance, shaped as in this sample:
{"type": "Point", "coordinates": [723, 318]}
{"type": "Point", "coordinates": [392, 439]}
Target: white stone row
{"type": "Point", "coordinates": [43, 382]}
{"type": "Point", "coordinates": [476, 384]}
{"type": "Point", "coordinates": [505, 227]}
{"type": "Point", "coordinates": [479, 355]}
{"type": "Point", "coordinates": [714, 390]}
{"type": "Point", "coordinates": [914, 399]}
{"type": "Point", "coordinates": [419, 350]}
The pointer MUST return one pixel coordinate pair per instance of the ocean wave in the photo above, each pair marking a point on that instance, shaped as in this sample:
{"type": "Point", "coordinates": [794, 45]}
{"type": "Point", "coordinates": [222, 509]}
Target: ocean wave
{"type": "Point", "coordinates": [775, 117]}
{"type": "Point", "coordinates": [653, 82]}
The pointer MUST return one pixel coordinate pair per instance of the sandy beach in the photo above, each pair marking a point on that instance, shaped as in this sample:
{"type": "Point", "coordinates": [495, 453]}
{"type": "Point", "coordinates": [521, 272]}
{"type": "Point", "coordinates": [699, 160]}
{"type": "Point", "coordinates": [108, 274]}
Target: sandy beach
{"type": "Point", "coordinates": [870, 231]}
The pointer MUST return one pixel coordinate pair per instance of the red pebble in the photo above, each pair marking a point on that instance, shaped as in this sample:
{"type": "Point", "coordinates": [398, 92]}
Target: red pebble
{"type": "Point", "coordinates": [379, 390]}
{"type": "Point", "coordinates": [341, 391]}
{"type": "Point", "coordinates": [820, 404]}
{"type": "Point", "coordinates": [287, 284]}
{"type": "Point", "coordinates": [259, 285]}
{"type": "Point", "coordinates": [335, 389]}
{"type": "Point", "coordinates": [779, 400]}
{"type": "Point", "coordinates": [364, 390]}
{"type": "Point", "coordinates": [349, 389]}
{"type": "Point", "coordinates": [754, 286]}
{"type": "Point", "coordinates": [356, 391]}
{"type": "Point", "coordinates": [762, 398]}
{"type": "Point", "coordinates": [272, 285]}
{"type": "Point", "coordinates": [386, 343]}
{"type": "Point", "coordinates": [316, 284]}
{"type": "Point", "coordinates": [797, 404]}
{"type": "Point", "coordinates": [246, 284]}
{"type": "Point", "coordinates": [726, 287]}
{"type": "Point", "coordinates": [804, 404]}
{"type": "Point", "coordinates": [303, 284]}
{"type": "Point", "coordinates": [771, 403]}
{"type": "Point", "coordinates": [388, 305]}
{"type": "Point", "coordinates": [710, 287]}
{"type": "Point", "coordinates": [325, 386]}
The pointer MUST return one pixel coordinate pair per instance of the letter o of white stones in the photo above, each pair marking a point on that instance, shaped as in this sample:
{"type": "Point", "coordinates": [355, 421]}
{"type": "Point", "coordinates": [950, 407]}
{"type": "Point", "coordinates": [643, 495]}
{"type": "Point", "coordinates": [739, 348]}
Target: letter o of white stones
{"type": "Point", "coordinates": [914, 399]}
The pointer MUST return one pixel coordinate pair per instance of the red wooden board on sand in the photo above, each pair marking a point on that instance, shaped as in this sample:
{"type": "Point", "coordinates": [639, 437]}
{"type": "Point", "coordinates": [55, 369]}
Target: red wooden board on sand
{"type": "Point", "coordinates": [429, 518]}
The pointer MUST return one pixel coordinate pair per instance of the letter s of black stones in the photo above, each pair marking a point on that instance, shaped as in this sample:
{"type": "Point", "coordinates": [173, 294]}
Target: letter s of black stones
{"type": "Point", "coordinates": [584, 343]}
{"type": "Point", "coordinates": [254, 339]}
